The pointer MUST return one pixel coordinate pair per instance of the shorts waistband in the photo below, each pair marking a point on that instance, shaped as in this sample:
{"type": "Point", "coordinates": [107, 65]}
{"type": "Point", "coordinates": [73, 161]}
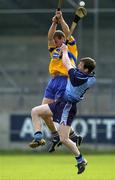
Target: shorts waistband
{"type": "Point", "coordinates": [59, 75]}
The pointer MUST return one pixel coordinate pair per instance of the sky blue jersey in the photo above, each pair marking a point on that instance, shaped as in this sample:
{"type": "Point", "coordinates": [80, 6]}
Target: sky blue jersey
{"type": "Point", "coordinates": [78, 83]}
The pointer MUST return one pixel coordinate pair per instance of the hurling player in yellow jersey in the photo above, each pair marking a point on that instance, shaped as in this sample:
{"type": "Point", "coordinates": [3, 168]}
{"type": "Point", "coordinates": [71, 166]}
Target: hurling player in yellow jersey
{"type": "Point", "coordinates": [57, 84]}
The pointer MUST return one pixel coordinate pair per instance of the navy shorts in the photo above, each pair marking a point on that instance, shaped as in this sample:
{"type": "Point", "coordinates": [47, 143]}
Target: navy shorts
{"type": "Point", "coordinates": [63, 112]}
{"type": "Point", "coordinates": [56, 87]}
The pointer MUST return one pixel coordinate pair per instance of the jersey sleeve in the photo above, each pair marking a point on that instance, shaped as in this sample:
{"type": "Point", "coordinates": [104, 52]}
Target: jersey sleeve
{"type": "Point", "coordinates": [51, 50]}
{"type": "Point", "coordinates": [72, 41]}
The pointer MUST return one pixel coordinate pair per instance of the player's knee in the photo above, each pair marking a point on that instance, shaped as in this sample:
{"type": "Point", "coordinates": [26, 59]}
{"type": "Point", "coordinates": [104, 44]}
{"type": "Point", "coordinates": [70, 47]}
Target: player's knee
{"type": "Point", "coordinates": [63, 139]}
{"type": "Point", "coordinates": [34, 112]}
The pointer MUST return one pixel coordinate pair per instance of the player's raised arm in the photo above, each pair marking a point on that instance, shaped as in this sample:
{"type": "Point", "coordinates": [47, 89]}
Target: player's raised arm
{"type": "Point", "coordinates": [51, 31]}
{"type": "Point", "coordinates": [64, 25]}
{"type": "Point", "coordinates": [65, 57]}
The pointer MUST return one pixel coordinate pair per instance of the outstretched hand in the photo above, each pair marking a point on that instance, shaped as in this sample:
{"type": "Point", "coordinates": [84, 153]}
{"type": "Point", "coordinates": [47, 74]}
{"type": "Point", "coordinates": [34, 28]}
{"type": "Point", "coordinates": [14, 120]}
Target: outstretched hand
{"type": "Point", "coordinates": [65, 58]}
{"type": "Point", "coordinates": [58, 14]}
{"type": "Point", "coordinates": [64, 48]}
{"type": "Point", "coordinates": [58, 17]}
{"type": "Point", "coordinates": [55, 19]}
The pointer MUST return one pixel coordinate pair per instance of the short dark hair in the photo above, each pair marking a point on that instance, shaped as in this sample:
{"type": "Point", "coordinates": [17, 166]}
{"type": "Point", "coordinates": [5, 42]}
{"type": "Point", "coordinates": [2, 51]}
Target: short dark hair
{"type": "Point", "coordinates": [89, 63]}
{"type": "Point", "coordinates": [59, 34]}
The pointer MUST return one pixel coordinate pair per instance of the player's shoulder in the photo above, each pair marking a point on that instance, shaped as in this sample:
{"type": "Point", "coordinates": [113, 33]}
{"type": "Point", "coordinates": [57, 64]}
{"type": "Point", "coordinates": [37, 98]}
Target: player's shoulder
{"type": "Point", "coordinates": [91, 80]}
{"type": "Point", "coordinates": [51, 48]}
{"type": "Point", "coordinates": [81, 74]}
{"type": "Point", "coordinates": [72, 41]}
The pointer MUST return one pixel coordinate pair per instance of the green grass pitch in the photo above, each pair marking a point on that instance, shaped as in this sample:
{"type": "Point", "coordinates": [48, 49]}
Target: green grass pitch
{"type": "Point", "coordinates": [55, 167]}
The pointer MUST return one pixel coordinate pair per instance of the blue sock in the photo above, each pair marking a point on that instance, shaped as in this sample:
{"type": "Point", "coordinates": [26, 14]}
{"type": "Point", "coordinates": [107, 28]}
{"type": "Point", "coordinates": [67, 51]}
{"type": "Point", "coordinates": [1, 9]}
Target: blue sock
{"type": "Point", "coordinates": [38, 136]}
{"type": "Point", "coordinates": [79, 158]}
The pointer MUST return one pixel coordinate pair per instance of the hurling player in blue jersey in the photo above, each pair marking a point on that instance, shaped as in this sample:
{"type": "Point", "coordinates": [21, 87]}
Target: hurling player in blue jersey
{"type": "Point", "coordinates": [64, 109]}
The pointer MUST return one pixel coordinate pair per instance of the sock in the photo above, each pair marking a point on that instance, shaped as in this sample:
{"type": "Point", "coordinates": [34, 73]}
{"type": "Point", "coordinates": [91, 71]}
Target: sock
{"type": "Point", "coordinates": [38, 136]}
{"type": "Point", "coordinates": [79, 158]}
{"type": "Point", "coordinates": [55, 136]}
{"type": "Point", "coordinates": [73, 136]}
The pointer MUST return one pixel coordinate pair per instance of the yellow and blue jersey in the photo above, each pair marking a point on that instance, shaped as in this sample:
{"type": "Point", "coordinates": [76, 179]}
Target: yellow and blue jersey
{"type": "Point", "coordinates": [56, 65]}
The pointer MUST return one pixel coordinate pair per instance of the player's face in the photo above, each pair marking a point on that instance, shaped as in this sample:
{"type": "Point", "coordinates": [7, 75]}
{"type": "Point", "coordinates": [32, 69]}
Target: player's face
{"type": "Point", "coordinates": [81, 67]}
{"type": "Point", "coordinates": [59, 42]}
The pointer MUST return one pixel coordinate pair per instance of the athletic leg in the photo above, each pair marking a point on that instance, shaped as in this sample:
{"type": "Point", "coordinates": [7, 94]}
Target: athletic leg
{"type": "Point", "coordinates": [64, 138]}
{"type": "Point", "coordinates": [36, 113]}
{"type": "Point", "coordinates": [48, 119]}
{"type": "Point", "coordinates": [49, 122]}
